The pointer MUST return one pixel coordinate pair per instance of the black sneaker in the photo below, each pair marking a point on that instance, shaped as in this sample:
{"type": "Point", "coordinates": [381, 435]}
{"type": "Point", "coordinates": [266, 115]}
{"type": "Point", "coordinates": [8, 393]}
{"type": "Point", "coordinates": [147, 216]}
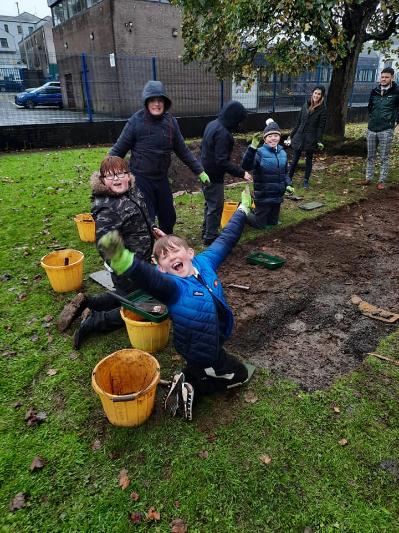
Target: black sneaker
{"type": "Point", "coordinates": [173, 398]}
{"type": "Point", "coordinates": [187, 392]}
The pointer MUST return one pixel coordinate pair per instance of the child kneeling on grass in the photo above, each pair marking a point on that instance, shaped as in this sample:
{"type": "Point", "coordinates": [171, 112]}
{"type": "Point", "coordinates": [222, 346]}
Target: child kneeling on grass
{"type": "Point", "coordinates": [202, 319]}
{"type": "Point", "coordinates": [271, 179]}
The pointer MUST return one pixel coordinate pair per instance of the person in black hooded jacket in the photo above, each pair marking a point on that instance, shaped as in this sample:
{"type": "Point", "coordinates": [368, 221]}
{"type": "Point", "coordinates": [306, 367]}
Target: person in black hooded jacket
{"type": "Point", "coordinates": [151, 135]}
{"type": "Point", "coordinates": [217, 145]}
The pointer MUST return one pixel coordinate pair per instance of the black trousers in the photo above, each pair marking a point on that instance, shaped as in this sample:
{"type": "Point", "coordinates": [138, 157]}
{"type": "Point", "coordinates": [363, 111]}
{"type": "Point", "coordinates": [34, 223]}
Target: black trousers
{"type": "Point", "coordinates": [224, 375]}
{"type": "Point", "coordinates": [106, 310]}
{"type": "Point", "coordinates": [264, 215]}
{"type": "Point", "coordinates": [159, 200]}
{"type": "Point", "coordinates": [308, 163]}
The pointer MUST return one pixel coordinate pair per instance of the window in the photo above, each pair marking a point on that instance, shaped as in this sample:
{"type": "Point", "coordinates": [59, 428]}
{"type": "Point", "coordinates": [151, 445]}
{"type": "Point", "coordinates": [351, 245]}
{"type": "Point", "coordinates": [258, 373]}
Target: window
{"type": "Point", "coordinates": [19, 29]}
{"type": "Point", "coordinates": [30, 29]}
{"type": "Point", "coordinates": [6, 28]}
{"type": "Point", "coordinates": [3, 43]}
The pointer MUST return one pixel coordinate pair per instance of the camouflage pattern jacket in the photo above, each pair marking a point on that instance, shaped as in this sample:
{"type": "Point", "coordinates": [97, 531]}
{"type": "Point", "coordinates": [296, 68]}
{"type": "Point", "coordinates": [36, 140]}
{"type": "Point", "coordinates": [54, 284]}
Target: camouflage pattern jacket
{"type": "Point", "coordinates": [126, 213]}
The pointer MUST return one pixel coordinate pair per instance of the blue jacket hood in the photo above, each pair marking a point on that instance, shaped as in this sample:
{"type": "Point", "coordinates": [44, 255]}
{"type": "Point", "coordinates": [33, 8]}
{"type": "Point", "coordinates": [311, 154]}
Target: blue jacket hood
{"type": "Point", "coordinates": [232, 114]}
{"type": "Point", "coordinates": [153, 89]}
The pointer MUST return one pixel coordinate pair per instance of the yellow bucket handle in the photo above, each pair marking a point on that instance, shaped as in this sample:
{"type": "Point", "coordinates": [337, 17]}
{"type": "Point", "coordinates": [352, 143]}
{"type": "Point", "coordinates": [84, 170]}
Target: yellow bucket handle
{"type": "Point", "coordinates": [134, 396]}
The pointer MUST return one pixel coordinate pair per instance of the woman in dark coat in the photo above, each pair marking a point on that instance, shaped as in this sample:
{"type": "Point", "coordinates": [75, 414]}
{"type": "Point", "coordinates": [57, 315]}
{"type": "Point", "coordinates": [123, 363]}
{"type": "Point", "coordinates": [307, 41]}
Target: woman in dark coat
{"type": "Point", "coordinates": [308, 132]}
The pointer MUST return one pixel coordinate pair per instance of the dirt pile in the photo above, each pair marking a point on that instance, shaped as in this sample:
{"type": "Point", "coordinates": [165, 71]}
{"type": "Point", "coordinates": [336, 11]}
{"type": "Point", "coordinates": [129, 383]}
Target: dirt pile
{"type": "Point", "coordinates": [299, 321]}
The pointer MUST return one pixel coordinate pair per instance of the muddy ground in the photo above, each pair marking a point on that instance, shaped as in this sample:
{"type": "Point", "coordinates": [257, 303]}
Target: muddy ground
{"type": "Point", "coordinates": [298, 321]}
{"type": "Point", "coordinates": [182, 179]}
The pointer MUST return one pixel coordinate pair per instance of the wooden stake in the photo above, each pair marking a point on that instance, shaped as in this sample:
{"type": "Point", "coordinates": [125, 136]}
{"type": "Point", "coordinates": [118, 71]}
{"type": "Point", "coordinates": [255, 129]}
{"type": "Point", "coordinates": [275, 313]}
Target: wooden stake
{"type": "Point", "coordinates": [385, 358]}
{"type": "Point", "coordinates": [235, 286]}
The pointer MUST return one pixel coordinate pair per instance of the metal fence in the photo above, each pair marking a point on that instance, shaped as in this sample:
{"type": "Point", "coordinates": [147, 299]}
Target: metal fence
{"type": "Point", "coordinates": [96, 88]}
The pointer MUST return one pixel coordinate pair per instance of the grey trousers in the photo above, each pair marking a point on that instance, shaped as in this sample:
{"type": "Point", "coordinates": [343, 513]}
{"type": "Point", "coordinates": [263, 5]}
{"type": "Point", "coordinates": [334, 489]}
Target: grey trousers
{"type": "Point", "coordinates": [383, 139]}
{"type": "Point", "coordinates": [213, 209]}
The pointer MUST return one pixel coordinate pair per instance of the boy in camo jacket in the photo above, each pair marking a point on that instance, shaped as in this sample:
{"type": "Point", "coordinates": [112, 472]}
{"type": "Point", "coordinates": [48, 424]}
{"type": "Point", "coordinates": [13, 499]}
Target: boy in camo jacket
{"type": "Point", "coordinates": [117, 205]}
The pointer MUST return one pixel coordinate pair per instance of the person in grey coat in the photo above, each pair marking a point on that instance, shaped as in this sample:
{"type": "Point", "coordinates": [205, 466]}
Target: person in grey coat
{"type": "Point", "coordinates": [308, 132]}
{"type": "Point", "coordinates": [151, 135]}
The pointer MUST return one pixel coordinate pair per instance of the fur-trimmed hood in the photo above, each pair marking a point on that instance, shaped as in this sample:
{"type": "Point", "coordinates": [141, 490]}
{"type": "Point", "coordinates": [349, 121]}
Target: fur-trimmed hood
{"type": "Point", "coordinates": [100, 189]}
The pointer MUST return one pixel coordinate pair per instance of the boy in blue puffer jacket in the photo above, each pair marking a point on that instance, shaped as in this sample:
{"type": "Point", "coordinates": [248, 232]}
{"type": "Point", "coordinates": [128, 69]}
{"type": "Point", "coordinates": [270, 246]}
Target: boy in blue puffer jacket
{"type": "Point", "coordinates": [271, 179]}
{"type": "Point", "coordinates": [202, 319]}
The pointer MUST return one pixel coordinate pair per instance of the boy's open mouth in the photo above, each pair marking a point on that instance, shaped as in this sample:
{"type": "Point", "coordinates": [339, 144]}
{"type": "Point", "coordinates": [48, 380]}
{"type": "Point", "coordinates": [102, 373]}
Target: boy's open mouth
{"type": "Point", "coordinates": [178, 266]}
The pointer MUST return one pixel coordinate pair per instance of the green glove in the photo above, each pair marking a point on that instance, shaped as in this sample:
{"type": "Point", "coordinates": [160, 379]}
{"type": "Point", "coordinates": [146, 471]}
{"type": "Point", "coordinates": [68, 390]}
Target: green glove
{"type": "Point", "coordinates": [290, 189]}
{"type": "Point", "coordinates": [204, 178]}
{"type": "Point", "coordinates": [111, 244]}
{"type": "Point", "coordinates": [320, 146]}
{"type": "Point", "coordinates": [246, 201]}
{"type": "Point", "coordinates": [256, 140]}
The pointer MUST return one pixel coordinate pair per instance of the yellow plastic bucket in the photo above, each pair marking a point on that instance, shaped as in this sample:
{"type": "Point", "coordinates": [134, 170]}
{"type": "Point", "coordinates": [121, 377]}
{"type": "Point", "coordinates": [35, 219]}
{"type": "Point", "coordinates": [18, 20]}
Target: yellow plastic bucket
{"type": "Point", "coordinates": [229, 209]}
{"type": "Point", "coordinates": [64, 269]}
{"type": "Point", "coordinates": [86, 227]}
{"type": "Point", "coordinates": [145, 335]}
{"type": "Point", "coordinates": [126, 382]}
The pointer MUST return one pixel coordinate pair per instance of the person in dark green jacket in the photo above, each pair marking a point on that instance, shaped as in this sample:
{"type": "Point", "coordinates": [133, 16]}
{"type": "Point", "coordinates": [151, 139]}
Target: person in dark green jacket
{"type": "Point", "coordinates": [383, 115]}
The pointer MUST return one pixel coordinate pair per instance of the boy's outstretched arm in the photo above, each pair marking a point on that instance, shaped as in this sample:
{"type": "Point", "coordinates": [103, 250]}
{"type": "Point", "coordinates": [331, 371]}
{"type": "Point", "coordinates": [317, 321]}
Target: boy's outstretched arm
{"type": "Point", "coordinates": [147, 277]}
{"type": "Point", "coordinates": [222, 246]}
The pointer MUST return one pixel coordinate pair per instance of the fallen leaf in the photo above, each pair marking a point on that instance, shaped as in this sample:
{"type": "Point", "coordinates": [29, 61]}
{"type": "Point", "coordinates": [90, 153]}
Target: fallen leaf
{"type": "Point", "coordinates": [336, 409]}
{"type": "Point", "coordinates": [48, 318]}
{"type": "Point", "coordinates": [177, 504]}
{"type": "Point", "coordinates": [152, 514]}
{"type": "Point", "coordinates": [124, 481]}
{"type": "Point", "coordinates": [203, 454]}
{"type": "Point", "coordinates": [34, 418]}
{"type": "Point", "coordinates": [37, 463]}
{"type": "Point", "coordinates": [211, 437]}
{"type": "Point", "coordinates": [265, 459]}
{"type": "Point", "coordinates": [178, 526]}
{"type": "Point", "coordinates": [23, 296]}
{"type": "Point", "coordinates": [136, 518]}
{"type": "Point", "coordinates": [134, 496]}
{"type": "Point", "coordinates": [34, 338]}
{"type": "Point", "coordinates": [73, 355]}
{"type": "Point", "coordinates": [31, 321]}
{"type": "Point", "coordinates": [5, 277]}
{"type": "Point", "coordinates": [18, 502]}
{"type": "Point", "coordinates": [250, 396]}
{"type": "Point", "coordinates": [96, 445]}
{"type": "Point", "coordinates": [8, 353]}
{"type": "Point", "coordinates": [37, 277]}
{"type": "Point", "coordinates": [17, 405]}
{"type": "Point", "coordinates": [343, 442]}
{"type": "Point", "coordinates": [51, 371]}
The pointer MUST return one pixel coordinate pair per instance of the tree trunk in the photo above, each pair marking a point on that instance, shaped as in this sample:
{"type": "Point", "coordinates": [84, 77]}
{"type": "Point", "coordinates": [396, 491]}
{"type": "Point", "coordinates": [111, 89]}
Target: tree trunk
{"type": "Point", "coordinates": [338, 94]}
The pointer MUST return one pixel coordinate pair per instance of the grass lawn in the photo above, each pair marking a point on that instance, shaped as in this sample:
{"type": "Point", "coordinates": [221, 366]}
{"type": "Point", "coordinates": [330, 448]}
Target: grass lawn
{"type": "Point", "coordinates": [279, 464]}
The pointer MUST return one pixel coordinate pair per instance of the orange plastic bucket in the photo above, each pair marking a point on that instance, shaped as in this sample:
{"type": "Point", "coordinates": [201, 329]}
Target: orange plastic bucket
{"type": "Point", "coordinates": [64, 269]}
{"type": "Point", "coordinates": [86, 227]}
{"type": "Point", "coordinates": [145, 335]}
{"type": "Point", "coordinates": [229, 209]}
{"type": "Point", "coordinates": [126, 382]}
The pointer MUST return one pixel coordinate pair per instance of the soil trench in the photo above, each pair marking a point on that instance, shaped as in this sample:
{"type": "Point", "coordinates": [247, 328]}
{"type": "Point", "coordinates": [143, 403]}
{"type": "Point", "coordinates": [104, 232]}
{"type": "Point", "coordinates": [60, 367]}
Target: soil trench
{"type": "Point", "coordinates": [298, 321]}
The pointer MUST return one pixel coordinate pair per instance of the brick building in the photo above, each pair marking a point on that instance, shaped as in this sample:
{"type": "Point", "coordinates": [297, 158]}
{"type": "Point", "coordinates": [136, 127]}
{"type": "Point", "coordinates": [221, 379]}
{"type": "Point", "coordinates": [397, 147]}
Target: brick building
{"type": "Point", "coordinates": [126, 43]}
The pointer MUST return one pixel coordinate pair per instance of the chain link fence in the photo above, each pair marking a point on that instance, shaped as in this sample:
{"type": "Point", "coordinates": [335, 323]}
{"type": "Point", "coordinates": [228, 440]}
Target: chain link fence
{"type": "Point", "coordinates": [76, 88]}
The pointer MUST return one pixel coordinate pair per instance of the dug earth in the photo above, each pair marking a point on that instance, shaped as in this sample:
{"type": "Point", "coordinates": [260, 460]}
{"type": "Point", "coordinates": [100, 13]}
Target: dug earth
{"type": "Point", "coordinates": [299, 321]}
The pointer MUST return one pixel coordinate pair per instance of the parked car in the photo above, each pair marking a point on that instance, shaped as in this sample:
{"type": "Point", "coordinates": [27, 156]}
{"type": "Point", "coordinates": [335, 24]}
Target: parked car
{"type": "Point", "coordinates": [46, 95]}
{"type": "Point", "coordinates": [48, 84]}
